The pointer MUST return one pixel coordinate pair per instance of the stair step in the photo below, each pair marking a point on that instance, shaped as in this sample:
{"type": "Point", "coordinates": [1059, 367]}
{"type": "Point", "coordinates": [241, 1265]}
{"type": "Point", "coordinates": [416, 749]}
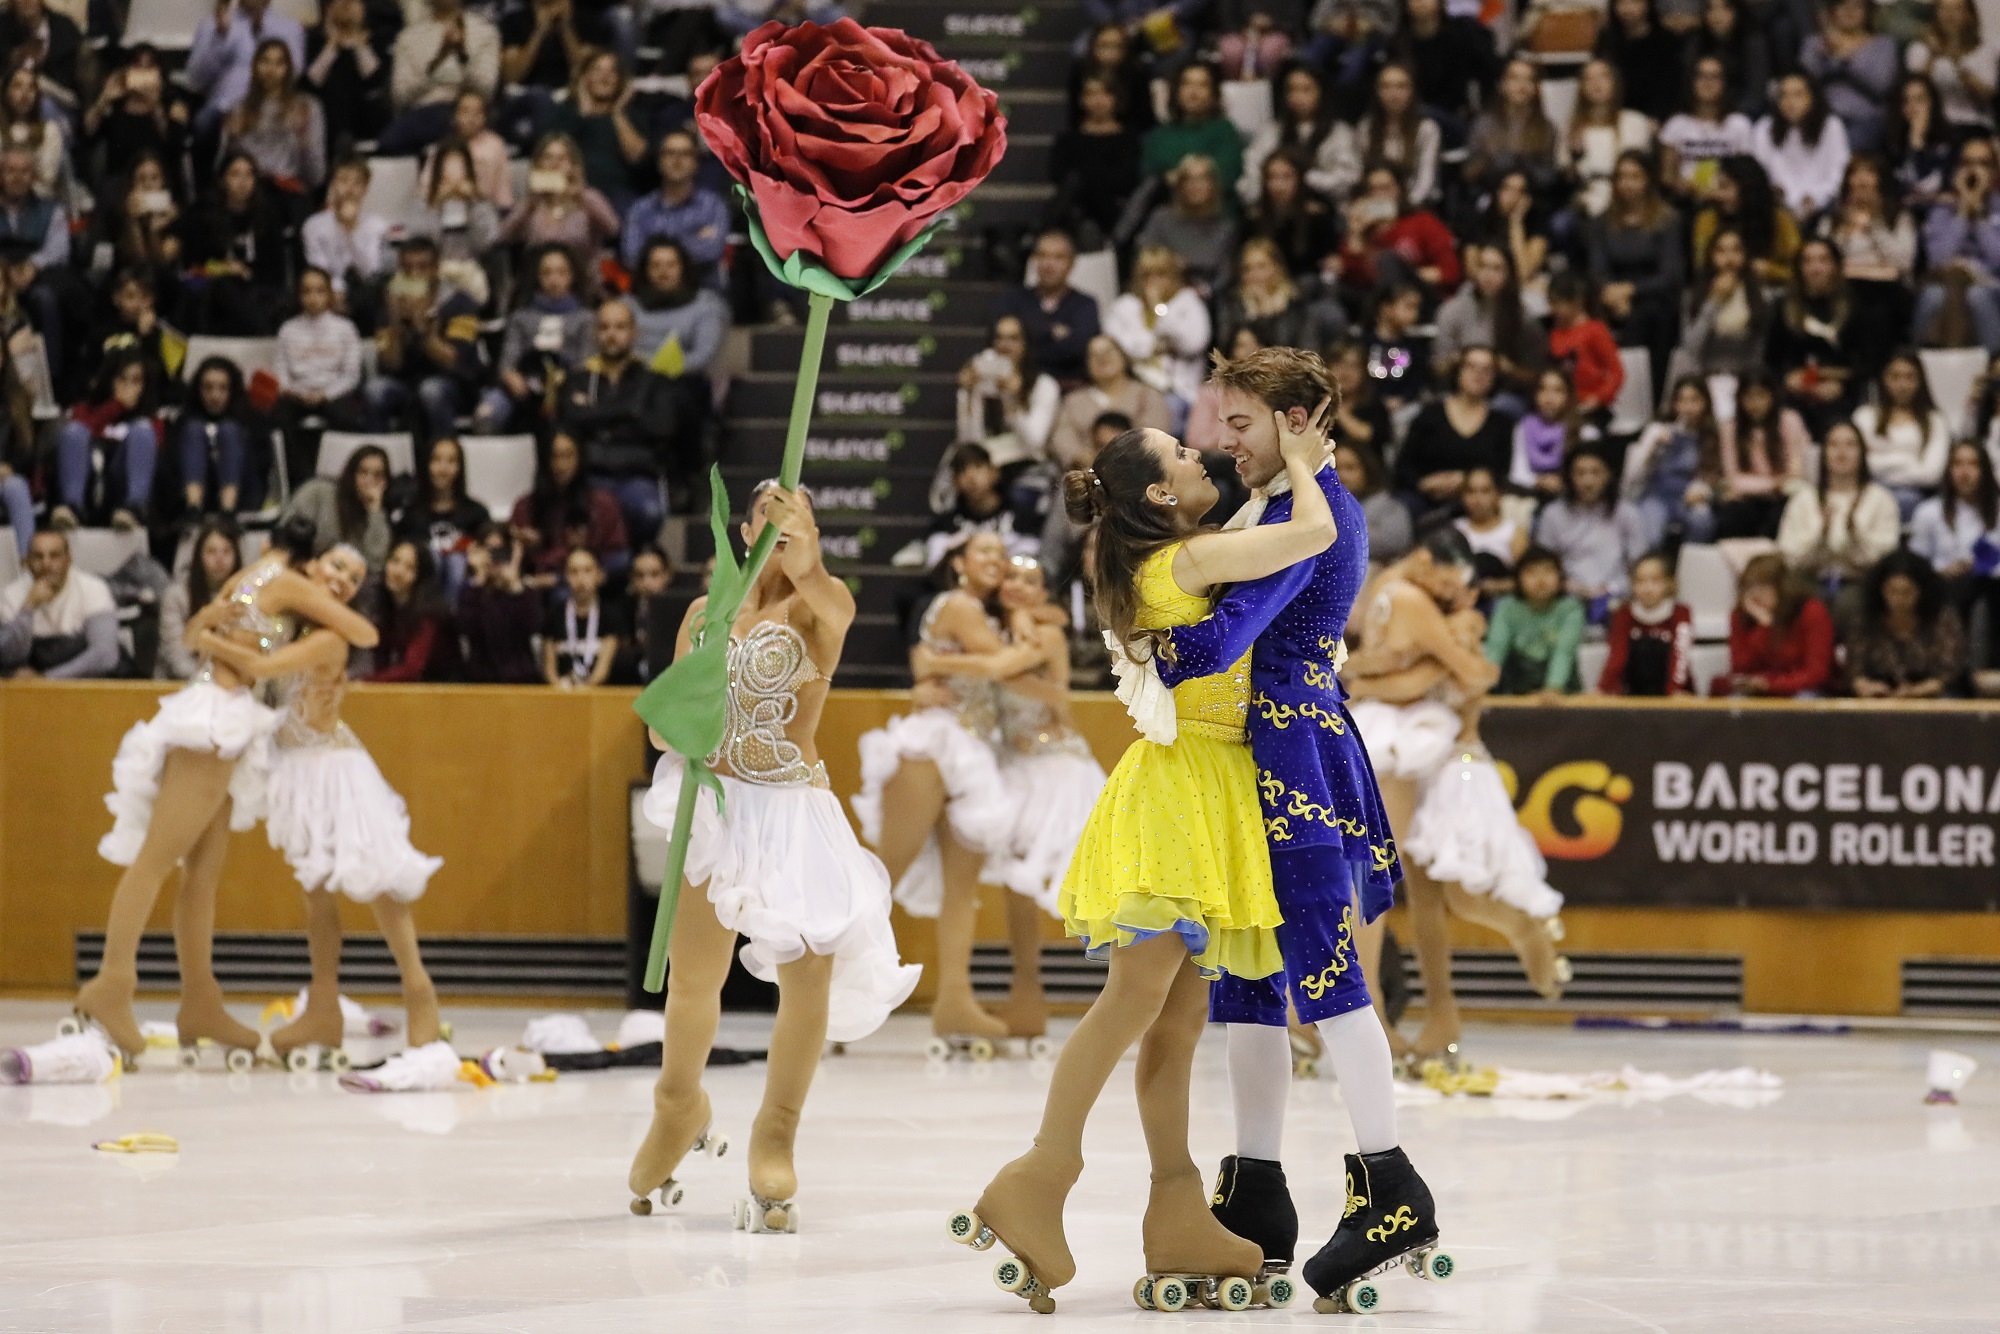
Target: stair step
{"type": "Point", "coordinates": [910, 300]}
{"type": "Point", "coordinates": [843, 447]}
{"type": "Point", "coordinates": [950, 26]}
{"type": "Point", "coordinates": [1035, 111]}
{"type": "Point", "coordinates": [932, 395]}
{"type": "Point", "coordinates": [904, 492]}
{"type": "Point", "coordinates": [887, 590]}
{"type": "Point", "coordinates": [1012, 64]}
{"type": "Point", "coordinates": [849, 540]}
{"type": "Point", "coordinates": [891, 349]}
{"type": "Point", "coordinates": [878, 641]}
{"type": "Point", "coordinates": [1026, 161]}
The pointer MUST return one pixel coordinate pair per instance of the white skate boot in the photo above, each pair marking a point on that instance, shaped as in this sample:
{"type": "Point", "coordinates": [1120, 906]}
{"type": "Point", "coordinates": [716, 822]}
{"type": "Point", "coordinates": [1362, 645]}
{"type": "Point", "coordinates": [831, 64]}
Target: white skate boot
{"type": "Point", "coordinates": [79, 1058]}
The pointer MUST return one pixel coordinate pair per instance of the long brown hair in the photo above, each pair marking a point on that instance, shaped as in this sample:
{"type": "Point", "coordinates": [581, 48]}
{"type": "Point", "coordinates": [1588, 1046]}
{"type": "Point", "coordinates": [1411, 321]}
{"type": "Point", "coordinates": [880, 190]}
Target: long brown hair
{"type": "Point", "coordinates": [1123, 528]}
{"type": "Point", "coordinates": [1793, 592]}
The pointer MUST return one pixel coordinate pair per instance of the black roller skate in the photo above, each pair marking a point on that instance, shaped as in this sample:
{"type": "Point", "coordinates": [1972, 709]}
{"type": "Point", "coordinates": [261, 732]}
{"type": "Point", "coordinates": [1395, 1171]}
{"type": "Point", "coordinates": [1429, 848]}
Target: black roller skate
{"type": "Point", "coordinates": [1390, 1218]}
{"type": "Point", "coordinates": [1252, 1201]}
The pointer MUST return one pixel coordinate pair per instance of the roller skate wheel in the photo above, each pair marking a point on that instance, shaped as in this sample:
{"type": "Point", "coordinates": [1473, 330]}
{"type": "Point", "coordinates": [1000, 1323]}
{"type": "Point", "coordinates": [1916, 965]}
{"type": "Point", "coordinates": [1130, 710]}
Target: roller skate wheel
{"type": "Point", "coordinates": [672, 1193]}
{"type": "Point", "coordinates": [937, 1049]}
{"type": "Point", "coordinates": [1010, 1275]}
{"type": "Point", "coordinates": [1042, 1304]}
{"type": "Point", "coordinates": [239, 1060]}
{"type": "Point", "coordinates": [1170, 1295]}
{"type": "Point", "coordinates": [1565, 970]}
{"type": "Point", "coordinates": [1234, 1294]}
{"type": "Point", "coordinates": [190, 1057]}
{"type": "Point", "coordinates": [1142, 1294]}
{"type": "Point", "coordinates": [739, 1215]}
{"type": "Point", "coordinates": [444, 1030]}
{"type": "Point", "coordinates": [1040, 1049]}
{"type": "Point", "coordinates": [298, 1060]}
{"type": "Point", "coordinates": [788, 1218]}
{"type": "Point", "coordinates": [641, 1205]}
{"type": "Point", "coordinates": [1280, 1292]}
{"type": "Point", "coordinates": [1360, 1296]}
{"type": "Point", "coordinates": [715, 1146]}
{"type": "Point", "coordinates": [1305, 1068]}
{"type": "Point", "coordinates": [68, 1026]}
{"type": "Point", "coordinates": [980, 1049]}
{"type": "Point", "coordinates": [1554, 926]}
{"type": "Point", "coordinates": [965, 1228]}
{"type": "Point", "coordinates": [339, 1061]}
{"type": "Point", "coordinates": [1437, 1266]}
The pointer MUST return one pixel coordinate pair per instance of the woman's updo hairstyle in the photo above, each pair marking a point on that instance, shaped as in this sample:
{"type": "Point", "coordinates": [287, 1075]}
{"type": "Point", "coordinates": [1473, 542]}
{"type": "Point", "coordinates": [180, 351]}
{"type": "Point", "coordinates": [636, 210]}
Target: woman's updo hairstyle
{"type": "Point", "coordinates": [1110, 496]}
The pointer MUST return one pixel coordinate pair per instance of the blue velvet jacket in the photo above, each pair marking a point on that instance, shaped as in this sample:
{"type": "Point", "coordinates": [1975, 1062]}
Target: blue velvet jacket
{"type": "Point", "coordinates": [1318, 788]}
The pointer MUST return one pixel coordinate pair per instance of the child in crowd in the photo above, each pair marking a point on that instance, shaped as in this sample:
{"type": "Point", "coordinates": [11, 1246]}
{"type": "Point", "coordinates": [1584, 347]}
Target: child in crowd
{"type": "Point", "coordinates": [1582, 345]}
{"type": "Point", "coordinates": [1533, 636]}
{"type": "Point", "coordinates": [1546, 436]}
{"type": "Point", "coordinates": [1596, 535]}
{"type": "Point", "coordinates": [1651, 637]}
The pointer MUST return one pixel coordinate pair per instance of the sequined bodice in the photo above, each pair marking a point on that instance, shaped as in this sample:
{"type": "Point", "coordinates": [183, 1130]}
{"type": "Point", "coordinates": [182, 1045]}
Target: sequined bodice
{"type": "Point", "coordinates": [309, 711]}
{"type": "Point", "coordinates": [246, 619]}
{"type": "Point", "coordinates": [1214, 706]}
{"type": "Point", "coordinates": [975, 701]}
{"type": "Point", "coordinates": [768, 666]}
{"type": "Point", "coordinates": [1030, 727]}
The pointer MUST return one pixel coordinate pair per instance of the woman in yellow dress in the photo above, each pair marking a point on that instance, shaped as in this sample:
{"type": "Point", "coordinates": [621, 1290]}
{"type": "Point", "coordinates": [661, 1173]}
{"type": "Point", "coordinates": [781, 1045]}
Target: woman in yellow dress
{"type": "Point", "coordinates": [1171, 878]}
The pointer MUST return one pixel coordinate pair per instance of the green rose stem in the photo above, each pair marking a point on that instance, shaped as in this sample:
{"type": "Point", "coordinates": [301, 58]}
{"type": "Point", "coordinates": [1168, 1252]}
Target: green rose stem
{"type": "Point", "coordinates": [698, 713]}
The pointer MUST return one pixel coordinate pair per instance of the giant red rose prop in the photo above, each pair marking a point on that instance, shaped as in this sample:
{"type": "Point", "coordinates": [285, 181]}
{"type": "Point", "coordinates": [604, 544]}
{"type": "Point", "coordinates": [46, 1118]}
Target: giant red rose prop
{"type": "Point", "coordinates": [849, 141]}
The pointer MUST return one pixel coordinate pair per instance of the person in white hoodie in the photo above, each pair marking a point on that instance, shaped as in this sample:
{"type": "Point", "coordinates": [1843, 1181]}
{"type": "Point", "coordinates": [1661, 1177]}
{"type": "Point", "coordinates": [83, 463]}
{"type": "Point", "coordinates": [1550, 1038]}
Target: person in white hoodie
{"type": "Point", "coordinates": [1163, 325]}
{"type": "Point", "coordinates": [1802, 147]}
{"type": "Point", "coordinates": [1906, 437]}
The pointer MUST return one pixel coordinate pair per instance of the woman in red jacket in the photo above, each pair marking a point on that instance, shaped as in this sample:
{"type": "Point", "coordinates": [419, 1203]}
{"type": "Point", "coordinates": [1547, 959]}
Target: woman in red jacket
{"type": "Point", "coordinates": [1780, 636]}
{"type": "Point", "coordinates": [417, 644]}
{"type": "Point", "coordinates": [1388, 241]}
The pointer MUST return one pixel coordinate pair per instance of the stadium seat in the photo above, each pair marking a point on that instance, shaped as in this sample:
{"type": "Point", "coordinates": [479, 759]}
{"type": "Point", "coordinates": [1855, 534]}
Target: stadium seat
{"type": "Point", "coordinates": [499, 470]}
{"type": "Point", "coordinates": [166, 24]}
{"type": "Point", "coordinates": [1247, 103]}
{"type": "Point", "coordinates": [103, 551]}
{"type": "Point", "coordinates": [1953, 372]}
{"type": "Point", "coordinates": [1707, 661]}
{"type": "Point", "coordinates": [1559, 102]}
{"type": "Point", "coordinates": [1590, 660]}
{"type": "Point", "coordinates": [1634, 407]}
{"type": "Point", "coordinates": [250, 354]}
{"type": "Point", "coordinates": [336, 446]}
{"type": "Point", "coordinates": [10, 558]}
{"type": "Point", "coordinates": [1708, 587]}
{"type": "Point", "coordinates": [393, 191]}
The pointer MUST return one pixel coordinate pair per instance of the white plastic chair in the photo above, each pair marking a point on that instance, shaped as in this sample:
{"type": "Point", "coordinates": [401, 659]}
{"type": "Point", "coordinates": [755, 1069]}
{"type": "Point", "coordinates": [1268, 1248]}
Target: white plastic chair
{"type": "Point", "coordinates": [1590, 660]}
{"type": "Point", "coordinates": [1708, 587]}
{"type": "Point", "coordinates": [1559, 102]}
{"type": "Point", "coordinates": [167, 24]}
{"type": "Point", "coordinates": [394, 193]}
{"type": "Point", "coordinates": [10, 558]}
{"type": "Point", "coordinates": [499, 470]}
{"type": "Point", "coordinates": [102, 551]}
{"type": "Point", "coordinates": [1706, 662]}
{"type": "Point", "coordinates": [305, 11]}
{"type": "Point", "coordinates": [1247, 103]}
{"type": "Point", "coordinates": [1953, 371]}
{"type": "Point", "coordinates": [335, 448]}
{"type": "Point", "coordinates": [1634, 405]}
{"type": "Point", "coordinates": [250, 354]}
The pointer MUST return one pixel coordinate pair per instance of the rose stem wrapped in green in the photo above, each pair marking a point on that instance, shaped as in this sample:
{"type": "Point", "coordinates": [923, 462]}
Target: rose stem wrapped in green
{"type": "Point", "coordinates": [847, 145]}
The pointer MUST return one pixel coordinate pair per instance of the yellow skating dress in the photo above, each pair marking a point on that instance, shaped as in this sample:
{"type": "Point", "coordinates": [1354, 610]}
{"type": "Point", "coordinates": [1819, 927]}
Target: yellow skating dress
{"type": "Point", "coordinates": [1176, 839]}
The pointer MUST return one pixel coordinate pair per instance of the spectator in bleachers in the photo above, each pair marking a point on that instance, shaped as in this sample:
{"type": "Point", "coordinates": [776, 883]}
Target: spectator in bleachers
{"type": "Point", "coordinates": [1004, 402]}
{"type": "Point", "coordinates": [1729, 322]}
{"type": "Point", "coordinates": [1514, 134]}
{"type": "Point", "coordinates": [347, 68]}
{"type": "Point", "coordinates": [562, 209]}
{"type": "Point", "coordinates": [1486, 312]}
{"type": "Point", "coordinates": [1347, 37]}
{"type": "Point", "coordinates": [1802, 147]}
{"type": "Point", "coordinates": [1390, 533]}
{"type": "Point", "coordinates": [1162, 324]}
{"type": "Point", "coordinates": [1111, 388]}
{"type": "Point", "coordinates": [1196, 128]}
{"type": "Point", "coordinates": [1582, 347]}
{"type": "Point", "coordinates": [1265, 300]}
{"type": "Point", "coordinates": [26, 119]}
{"type": "Point", "coordinates": [739, 17]}
{"type": "Point", "coordinates": [1961, 64]}
{"type": "Point", "coordinates": [611, 148]}
{"type": "Point", "coordinates": [548, 335]}
{"type": "Point", "coordinates": [225, 50]}
{"type": "Point", "coordinates": [1399, 359]}
{"type": "Point", "coordinates": [1675, 467]}
{"type": "Point", "coordinates": [1908, 642]}
{"type": "Point", "coordinates": [651, 588]}
{"type": "Point", "coordinates": [565, 510]}
{"type": "Point", "coordinates": [217, 458]}
{"type": "Point", "coordinates": [541, 44]}
{"type": "Point", "coordinates": [122, 426]}
{"type": "Point", "coordinates": [1738, 41]}
{"type": "Point", "coordinates": [1857, 69]}
{"type": "Point", "coordinates": [1391, 241]}
{"type": "Point", "coordinates": [55, 621]}
{"type": "Point", "coordinates": [133, 114]}
{"type": "Point", "coordinates": [580, 638]}
{"type": "Point", "coordinates": [1305, 122]}
{"type": "Point", "coordinates": [1764, 450]}
{"type": "Point", "coordinates": [418, 642]}
{"type": "Point", "coordinates": [681, 210]}
{"type": "Point", "coordinates": [498, 615]}
{"type": "Point", "coordinates": [1254, 37]}
{"type": "Point", "coordinates": [319, 371]}
{"type": "Point", "coordinates": [1497, 541]}
{"type": "Point", "coordinates": [1533, 636]}
{"type": "Point", "coordinates": [427, 350]}
{"type": "Point", "coordinates": [436, 59]}
{"type": "Point", "coordinates": [681, 323]}
{"type": "Point", "coordinates": [1108, 52]}
{"type": "Point", "coordinates": [1094, 165]}
{"type": "Point", "coordinates": [1877, 242]}
{"type": "Point", "coordinates": [234, 241]}
{"type": "Point", "coordinates": [1649, 52]}
{"type": "Point", "coordinates": [1651, 637]}
{"type": "Point", "coordinates": [1836, 533]}
{"type": "Point", "coordinates": [978, 504]}
{"type": "Point", "coordinates": [1454, 434]}
{"type": "Point", "coordinates": [1780, 636]}
{"type": "Point", "coordinates": [1636, 262]}
{"type": "Point", "coordinates": [1360, 417]}
{"type": "Point", "coordinates": [1962, 248]}
{"type": "Point", "coordinates": [1905, 435]}
{"type": "Point", "coordinates": [1741, 199]}
{"type": "Point", "coordinates": [1707, 129]}
{"type": "Point", "coordinates": [1195, 223]}
{"type": "Point", "coordinates": [1597, 535]}
{"type": "Point", "coordinates": [215, 554]}
{"type": "Point", "coordinates": [1300, 222]}
{"type": "Point", "coordinates": [1601, 128]}
{"type": "Point", "coordinates": [352, 508]}
{"type": "Point", "coordinates": [445, 521]}
{"type": "Point", "coordinates": [53, 38]}
{"type": "Point", "coordinates": [1547, 434]}
{"type": "Point", "coordinates": [18, 450]}
{"type": "Point", "coordinates": [1958, 532]}
{"type": "Point", "coordinates": [1060, 321]}
{"type": "Point", "coordinates": [626, 411]}
{"type": "Point", "coordinates": [135, 323]}
{"type": "Point", "coordinates": [35, 245]}
{"type": "Point", "coordinates": [350, 244]}
{"type": "Point", "coordinates": [461, 221]}
{"type": "Point", "coordinates": [138, 215]}
{"type": "Point", "coordinates": [1816, 337]}
{"type": "Point", "coordinates": [491, 172]}
{"type": "Point", "coordinates": [279, 124]}
{"type": "Point", "coordinates": [1922, 148]}
{"type": "Point", "coordinates": [1453, 58]}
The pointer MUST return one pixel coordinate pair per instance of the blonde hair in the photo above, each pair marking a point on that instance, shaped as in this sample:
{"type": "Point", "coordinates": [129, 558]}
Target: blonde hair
{"type": "Point", "coordinates": [1154, 257]}
{"type": "Point", "coordinates": [1282, 378]}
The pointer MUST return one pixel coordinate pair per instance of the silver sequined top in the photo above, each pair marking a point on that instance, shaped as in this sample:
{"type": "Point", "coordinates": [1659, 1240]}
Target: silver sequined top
{"type": "Point", "coordinates": [247, 617]}
{"type": "Point", "coordinates": [1030, 727]}
{"type": "Point", "coordinates": [974, 699]}
{"type": "Point", "coordinates": [768, 666]}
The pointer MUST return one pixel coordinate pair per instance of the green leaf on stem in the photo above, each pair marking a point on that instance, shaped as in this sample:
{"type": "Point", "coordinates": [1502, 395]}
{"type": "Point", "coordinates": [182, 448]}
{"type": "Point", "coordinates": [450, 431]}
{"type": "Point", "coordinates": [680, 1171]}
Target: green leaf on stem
{"type": "Point", "coordinates": [807, 273]}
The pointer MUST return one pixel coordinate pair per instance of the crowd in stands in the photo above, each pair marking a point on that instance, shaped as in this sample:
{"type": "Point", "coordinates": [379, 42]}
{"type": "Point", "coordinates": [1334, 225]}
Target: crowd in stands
{"type": "Point", "coordinates": [1601, 282]}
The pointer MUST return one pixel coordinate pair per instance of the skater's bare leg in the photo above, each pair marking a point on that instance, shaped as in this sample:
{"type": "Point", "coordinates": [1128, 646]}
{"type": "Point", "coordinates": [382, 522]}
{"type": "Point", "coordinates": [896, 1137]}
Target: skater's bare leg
{"type": "Point", "coordinates": [699, 959]}
{"type": "Point", "coordinates": [194, 785]}
{"type": "Point", "coordinates": [954, 1012]}
{"type": "Point", "coordinates": [1529, 936]}
{"type": "Point", "coordinates": [320, 1022]}
{"type": "Point", "coordinates": [797, 1038]}
{"type": "Point", "coordinates": [1026, 1013]}
{"type": "Point", "coordinates": [202, 1014]}
{"type": "Point", "coordinates": [398, 926]}
{"type": "Point", "coordinates": [1432, 942]}
{"type": "Point", "coordinates": [912, 806]}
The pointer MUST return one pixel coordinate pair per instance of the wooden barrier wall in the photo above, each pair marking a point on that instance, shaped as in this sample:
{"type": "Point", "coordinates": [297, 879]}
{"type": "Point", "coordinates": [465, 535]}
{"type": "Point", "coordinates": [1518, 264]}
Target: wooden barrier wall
{"type": "Point", "coordinates": [523, 793]}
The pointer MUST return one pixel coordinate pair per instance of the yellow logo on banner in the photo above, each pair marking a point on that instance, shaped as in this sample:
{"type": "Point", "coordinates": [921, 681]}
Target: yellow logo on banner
{"type": "Point", "coordinates": [1595, 794]}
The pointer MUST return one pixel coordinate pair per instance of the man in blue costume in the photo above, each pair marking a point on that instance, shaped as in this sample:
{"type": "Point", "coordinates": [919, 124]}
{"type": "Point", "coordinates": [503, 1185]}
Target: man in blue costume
{"type": "Point", "coordinates": [1333, 857]}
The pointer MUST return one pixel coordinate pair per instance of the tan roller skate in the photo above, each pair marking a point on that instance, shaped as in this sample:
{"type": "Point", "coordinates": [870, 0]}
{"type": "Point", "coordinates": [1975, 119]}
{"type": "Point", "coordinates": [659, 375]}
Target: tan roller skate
{"type": "Point", "coordinates": [1436, 1044]}
{"type": "Point", "coordinates": [1191, 1258]}
{"type": "Point", "coordinates": [1022, 1209]}
{"type": "Point", "coordinates": [313, 1040]}
{"type": "Point", "coordinates": [202, 1017]}
{"type": "Point", "coordinates": [960, 1027]}
{"type": "Point", "coordinates": [1026, 1017]}
{"type": "Point", "coordinates": [773, 1179]}
{"type": "Point", "coordinates": [106, 1003]}
{"type": "Point", "coordinates": [680, 1126]}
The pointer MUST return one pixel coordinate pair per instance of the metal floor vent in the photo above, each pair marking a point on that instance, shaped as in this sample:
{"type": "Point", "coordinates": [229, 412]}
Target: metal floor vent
{"type": "Point", "coordinates": [1488, 978]}
{"type": "Point", "coordinates": [1951, 986]}
{"type": "Point", "coordinates": [459, 965]}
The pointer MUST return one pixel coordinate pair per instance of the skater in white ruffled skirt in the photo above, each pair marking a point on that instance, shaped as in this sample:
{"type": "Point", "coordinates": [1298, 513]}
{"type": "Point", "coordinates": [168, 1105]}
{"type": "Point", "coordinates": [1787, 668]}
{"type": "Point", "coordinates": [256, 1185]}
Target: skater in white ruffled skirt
{"type": "Point", "coordinates": [777, 863]}
{"type": "Point", "coordinates": [184, 778]}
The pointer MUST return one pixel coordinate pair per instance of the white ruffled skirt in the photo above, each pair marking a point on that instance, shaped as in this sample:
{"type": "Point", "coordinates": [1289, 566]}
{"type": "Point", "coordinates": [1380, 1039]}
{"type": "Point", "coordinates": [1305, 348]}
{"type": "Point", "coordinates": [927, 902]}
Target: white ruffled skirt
{"type": "Point", "coordinates": [783, 870]}
{"type": "Point", "coordinates": [1464, 830]}
{"type": "Point", "coordinates": [978, 803]}
{"type": "Point", "coordinates": [200, 716]}
{"type": "Point", "coordinates": [1053, 793]}
{"type": "Point", "coordinates": [341, 827]}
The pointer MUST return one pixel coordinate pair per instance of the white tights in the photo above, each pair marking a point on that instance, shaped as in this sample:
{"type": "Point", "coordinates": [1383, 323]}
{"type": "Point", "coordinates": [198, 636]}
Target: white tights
{"type": "Point", "coordinates": [1260, 1079]}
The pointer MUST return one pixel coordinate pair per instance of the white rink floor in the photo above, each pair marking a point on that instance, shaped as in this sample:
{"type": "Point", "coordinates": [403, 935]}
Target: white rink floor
{"type": "Point", "coordinates": [1843, 1204]}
